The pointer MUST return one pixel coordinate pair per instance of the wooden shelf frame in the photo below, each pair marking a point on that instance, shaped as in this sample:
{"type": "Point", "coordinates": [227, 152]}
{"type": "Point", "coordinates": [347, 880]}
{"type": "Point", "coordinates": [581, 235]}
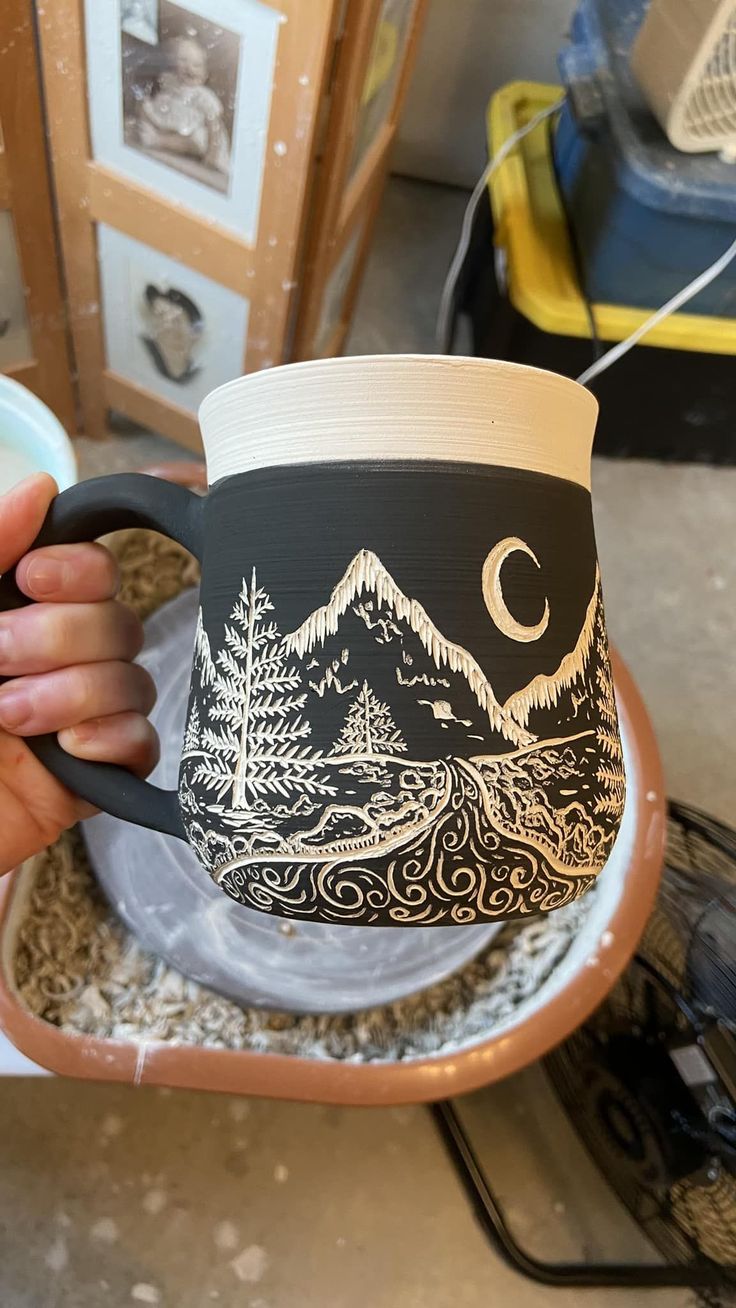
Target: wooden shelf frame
{"type": "Point", "coordinates": [265, 271]}
{"type": "Point", "coordinates": [344, 201]}
{"type": "Point", "coordinates": [25, 191]}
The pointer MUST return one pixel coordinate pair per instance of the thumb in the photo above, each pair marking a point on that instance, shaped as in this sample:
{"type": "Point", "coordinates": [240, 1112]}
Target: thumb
{"type": "Point", "coordinates": [22, 511]}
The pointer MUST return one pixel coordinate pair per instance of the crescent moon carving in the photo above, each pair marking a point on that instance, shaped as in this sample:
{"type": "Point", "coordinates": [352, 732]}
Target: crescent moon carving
{"type": "Point", "coordinates": [493, 592]}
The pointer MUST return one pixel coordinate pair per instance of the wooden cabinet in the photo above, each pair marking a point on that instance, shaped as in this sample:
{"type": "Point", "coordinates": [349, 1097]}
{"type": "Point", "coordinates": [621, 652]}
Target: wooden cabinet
{"type": "Point", "coordinates": [216, 167]}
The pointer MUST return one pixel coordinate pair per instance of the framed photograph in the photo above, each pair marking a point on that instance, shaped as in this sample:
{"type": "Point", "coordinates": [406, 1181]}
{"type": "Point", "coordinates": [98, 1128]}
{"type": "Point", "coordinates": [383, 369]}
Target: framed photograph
{"type": "Point", "coordinates": [15, 337]}
{"type": "Point", "coordinates": [190, 128]}
{"type": "Point", "coordinates": [189, 111]}
{"type": "Point", "coordinates": [167, 328]}
{"type": "Point", "coordinates": [384, 66]}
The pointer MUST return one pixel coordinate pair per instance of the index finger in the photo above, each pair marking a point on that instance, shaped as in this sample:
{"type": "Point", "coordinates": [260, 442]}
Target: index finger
{"type": "Point", "coordinates": [68, 574]}
{"type": "Point", "coordinates": [22, 511]}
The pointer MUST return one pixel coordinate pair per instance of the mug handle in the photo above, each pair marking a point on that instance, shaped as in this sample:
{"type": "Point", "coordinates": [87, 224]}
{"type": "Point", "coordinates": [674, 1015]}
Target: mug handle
{"type": "Point", "coordinates": [82, 513]}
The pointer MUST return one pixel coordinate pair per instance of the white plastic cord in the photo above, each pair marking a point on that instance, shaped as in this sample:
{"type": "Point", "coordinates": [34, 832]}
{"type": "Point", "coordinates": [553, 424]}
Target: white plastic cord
{"type": "Point", "coordinates": [617, 351]}
{"type": "Point", "coordinates": [676, 302]}
{"type": "Point", "coordinates": [448, 290]}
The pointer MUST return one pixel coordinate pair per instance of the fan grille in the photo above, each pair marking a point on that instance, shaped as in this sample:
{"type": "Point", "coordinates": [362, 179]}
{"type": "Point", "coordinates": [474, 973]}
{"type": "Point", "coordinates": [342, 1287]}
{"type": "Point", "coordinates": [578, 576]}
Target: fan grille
{"type": "Point", "coordinates": [709, 112]}
{"type": "Point", "coordinates": [667, 1148]}
{"type": "Point", "coordinates": [684, 58]}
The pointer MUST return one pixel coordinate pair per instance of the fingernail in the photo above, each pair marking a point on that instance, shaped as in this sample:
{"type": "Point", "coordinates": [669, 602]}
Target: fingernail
{"type": "Point", "coordinates": [15, 708]}
{"type": "Point", "coordinates": [45, 576]}
{"type": "Point", "coordinates": [85, 731]}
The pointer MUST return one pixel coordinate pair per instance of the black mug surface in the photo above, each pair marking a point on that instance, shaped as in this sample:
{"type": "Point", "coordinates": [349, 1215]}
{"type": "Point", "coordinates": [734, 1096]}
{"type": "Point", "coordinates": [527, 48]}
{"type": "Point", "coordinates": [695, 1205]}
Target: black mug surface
{"type": "Point", "coordinates": [401, 707]}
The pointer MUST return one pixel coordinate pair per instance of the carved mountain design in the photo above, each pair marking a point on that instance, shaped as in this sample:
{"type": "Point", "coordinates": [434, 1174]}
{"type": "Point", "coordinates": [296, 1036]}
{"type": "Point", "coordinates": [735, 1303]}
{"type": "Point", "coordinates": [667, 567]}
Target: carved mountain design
{"type": "Point", "coordinates": [203, 654]}
{"type": "Point", "coordinates": [545, 691]}
{"type": "Point", "coordinates": [354, 768]}
{"type": "Point", "coordinates": [366, 574]}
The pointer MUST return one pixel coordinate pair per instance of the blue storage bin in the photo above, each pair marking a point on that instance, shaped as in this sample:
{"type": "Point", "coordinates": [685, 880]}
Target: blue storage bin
{"type": "Point", "coordinates": [646, 218]}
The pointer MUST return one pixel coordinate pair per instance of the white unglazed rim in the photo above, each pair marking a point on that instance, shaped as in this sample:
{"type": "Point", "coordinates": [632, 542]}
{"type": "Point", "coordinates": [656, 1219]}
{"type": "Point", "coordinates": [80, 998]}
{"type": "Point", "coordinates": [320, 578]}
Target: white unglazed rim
{"type": "Point", "coordinates": [401, 406]}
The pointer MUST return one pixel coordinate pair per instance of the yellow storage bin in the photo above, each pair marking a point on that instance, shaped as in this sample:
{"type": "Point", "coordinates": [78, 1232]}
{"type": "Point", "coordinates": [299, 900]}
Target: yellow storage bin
{"type": "Point", "coordinates": [531, 229]}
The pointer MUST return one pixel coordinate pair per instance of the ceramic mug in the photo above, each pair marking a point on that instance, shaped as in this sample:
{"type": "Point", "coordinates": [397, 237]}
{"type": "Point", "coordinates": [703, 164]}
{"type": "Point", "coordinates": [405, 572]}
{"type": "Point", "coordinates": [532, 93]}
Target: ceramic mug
{"type": "Point", "coordinates": [401, 706]}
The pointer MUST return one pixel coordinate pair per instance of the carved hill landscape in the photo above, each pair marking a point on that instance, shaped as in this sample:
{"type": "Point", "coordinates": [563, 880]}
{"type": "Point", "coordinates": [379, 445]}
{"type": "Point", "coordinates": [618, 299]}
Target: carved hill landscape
{"type": "Point", "coordinates": [367, 576]}
{"type": "Point", "coordinates": [366, 745]}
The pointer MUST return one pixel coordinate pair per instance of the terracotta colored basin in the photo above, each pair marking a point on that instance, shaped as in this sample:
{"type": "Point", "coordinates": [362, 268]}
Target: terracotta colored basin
{"type": "Point", "coordinates": [574, 989]}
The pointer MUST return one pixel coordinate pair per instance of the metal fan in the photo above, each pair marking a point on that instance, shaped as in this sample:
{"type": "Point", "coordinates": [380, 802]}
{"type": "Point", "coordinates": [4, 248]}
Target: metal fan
{"type": "Point", "coordinates": [649, 1083]}
{"type": "Point", "coordinates": [685, 60]}
{"type": "Point", "coordinates": [650, 1080]}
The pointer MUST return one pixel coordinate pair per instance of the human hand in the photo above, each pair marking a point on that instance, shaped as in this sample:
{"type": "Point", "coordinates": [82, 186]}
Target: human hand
{"type": "Point", "coordinates": [68, 658]}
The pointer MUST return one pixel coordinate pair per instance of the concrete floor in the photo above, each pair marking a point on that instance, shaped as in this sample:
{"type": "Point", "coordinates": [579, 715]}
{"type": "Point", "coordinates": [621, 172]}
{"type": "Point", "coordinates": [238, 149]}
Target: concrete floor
{"type": "Point", "coordinates": [117, 1196]}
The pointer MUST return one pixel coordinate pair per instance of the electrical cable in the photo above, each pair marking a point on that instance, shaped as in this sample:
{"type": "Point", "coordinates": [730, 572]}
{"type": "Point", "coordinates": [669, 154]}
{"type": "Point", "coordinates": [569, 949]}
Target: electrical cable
{"type": "Point", "coordinates": [443, 330]}
{"type": "Point", "coordinates": [604, 361]}
{"type": "Point", "coordinates": [676, 302]}
{"type": "Point", "coordinates": [575, 248]}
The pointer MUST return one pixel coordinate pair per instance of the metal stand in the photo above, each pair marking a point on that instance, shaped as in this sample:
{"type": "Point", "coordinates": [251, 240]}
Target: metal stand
{"type": "Point", "coordinates": [700, 1274]}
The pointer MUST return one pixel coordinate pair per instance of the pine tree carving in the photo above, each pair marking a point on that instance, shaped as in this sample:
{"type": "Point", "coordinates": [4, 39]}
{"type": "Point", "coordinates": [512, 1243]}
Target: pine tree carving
{"type": "Point", "coordinates": [255, 744]}
{"type": "Point", "coordinates": [369, 728]}
{"type": "Point", "coordinates": [610, 773]}
{"type": "Point", "coordinates": [203, 653]}
{"type": "Point", "coordinates": [192, 735]}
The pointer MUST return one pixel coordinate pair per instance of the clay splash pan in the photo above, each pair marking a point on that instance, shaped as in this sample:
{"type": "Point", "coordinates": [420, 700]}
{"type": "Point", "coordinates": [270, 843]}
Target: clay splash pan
{"type": "Point", "coordinates": [80, 996]}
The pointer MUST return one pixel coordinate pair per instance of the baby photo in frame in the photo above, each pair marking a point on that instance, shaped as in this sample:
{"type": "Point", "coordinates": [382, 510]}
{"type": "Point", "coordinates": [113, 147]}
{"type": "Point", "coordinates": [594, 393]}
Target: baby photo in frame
{"type": "Point", "coordinates": [189, 118]}
{"type": "Point", "coordinates": [167, 328]}
{"type": "Point", "coordinates": [179, 93]}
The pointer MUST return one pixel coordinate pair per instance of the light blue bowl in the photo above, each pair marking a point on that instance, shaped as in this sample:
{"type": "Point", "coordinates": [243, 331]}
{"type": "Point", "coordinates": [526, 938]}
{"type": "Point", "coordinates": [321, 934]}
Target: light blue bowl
{"type": "Point", "coordinates": [30, 428]}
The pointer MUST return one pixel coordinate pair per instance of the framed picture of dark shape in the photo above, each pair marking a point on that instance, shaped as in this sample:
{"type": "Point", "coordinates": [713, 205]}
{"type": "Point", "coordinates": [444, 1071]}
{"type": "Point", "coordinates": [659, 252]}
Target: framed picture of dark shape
{"type": "Point", "coordinates": [167, 328]}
